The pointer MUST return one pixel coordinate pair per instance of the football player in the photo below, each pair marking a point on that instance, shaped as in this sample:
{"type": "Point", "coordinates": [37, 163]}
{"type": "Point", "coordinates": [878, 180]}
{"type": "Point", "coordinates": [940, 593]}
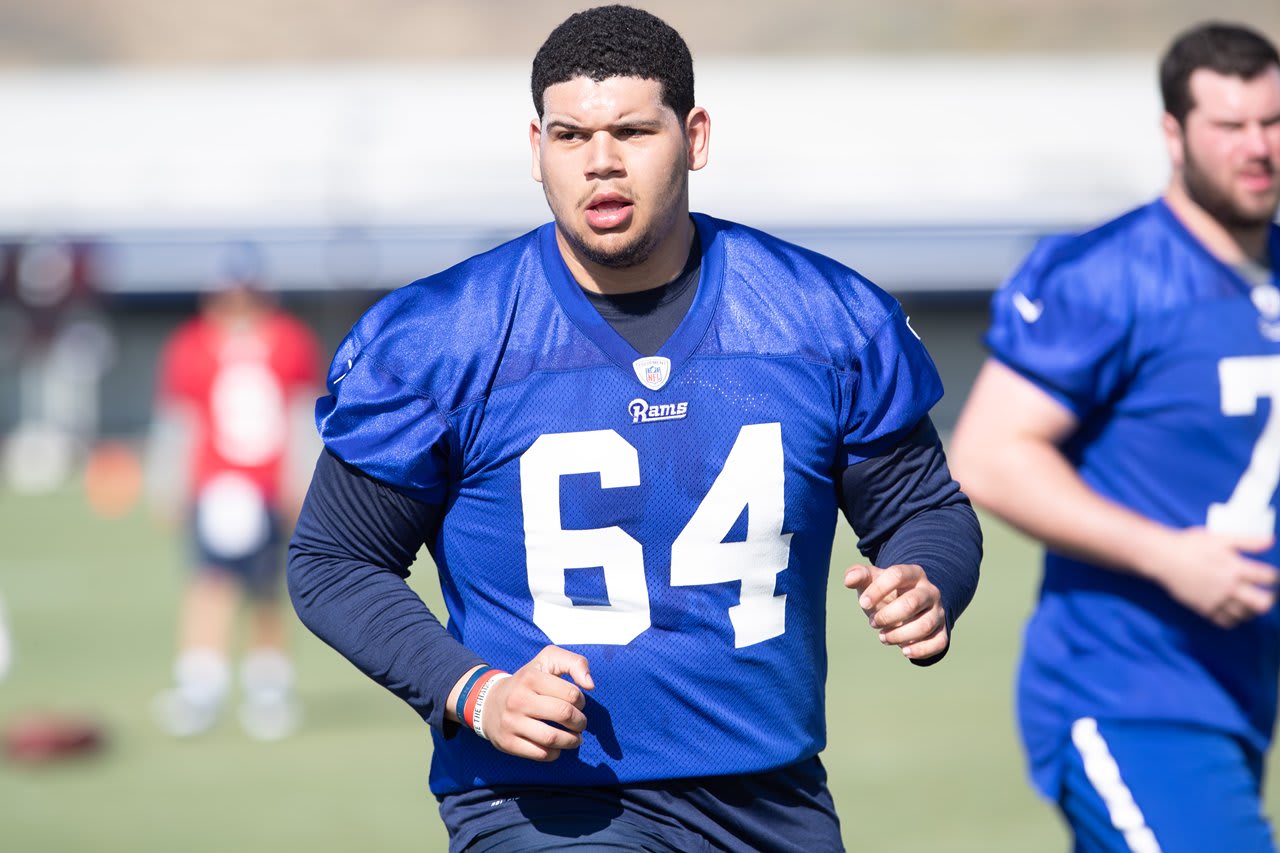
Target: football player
{"type": "Point", "coordinates": [625, 438]}
{"type": "Point", "coordinates": [1129, 418]}
{"type": "Point", "coordinates": [234, 383]}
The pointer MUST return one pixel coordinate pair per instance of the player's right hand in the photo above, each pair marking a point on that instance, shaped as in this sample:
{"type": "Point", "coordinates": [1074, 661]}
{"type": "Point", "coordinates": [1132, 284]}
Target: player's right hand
{"type": "Point", "coordinates": [1210, 573]}
{"type": "Point", "coordinates": [535, 713]}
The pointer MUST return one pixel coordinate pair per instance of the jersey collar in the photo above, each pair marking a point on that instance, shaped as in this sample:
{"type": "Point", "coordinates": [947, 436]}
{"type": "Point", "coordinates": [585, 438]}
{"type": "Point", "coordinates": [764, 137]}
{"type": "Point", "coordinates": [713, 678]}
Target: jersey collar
{"type": "Point", "coordinates": [687, 336]}
{"type": "Point", "coordinates": [1183, 233]}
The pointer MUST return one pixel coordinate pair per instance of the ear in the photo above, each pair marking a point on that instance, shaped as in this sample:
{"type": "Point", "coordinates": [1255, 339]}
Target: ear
{"type": "Point", "coordinates": [1174, 140]}
{"type": "Point", "coordinates": [697, 133]}
{"type": "Point", "coordinates": [535, 148]}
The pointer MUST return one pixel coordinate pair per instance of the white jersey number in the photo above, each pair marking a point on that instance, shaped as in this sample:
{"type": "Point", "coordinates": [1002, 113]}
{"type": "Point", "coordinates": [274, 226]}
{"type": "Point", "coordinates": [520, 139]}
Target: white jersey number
{"type": "Point", "coordinates": [1245, 380]}
{"type": "Point", "coordinates": [752, 477]}
{"type": "Point", "coordinates": [751, 480]}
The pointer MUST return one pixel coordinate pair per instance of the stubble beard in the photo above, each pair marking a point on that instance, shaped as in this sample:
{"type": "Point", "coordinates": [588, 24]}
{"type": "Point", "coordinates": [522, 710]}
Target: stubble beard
{"type": "Point", "coordinates": [1217, 201]}
{"type": "Point", "coordinates": [636, 250]}
{"type": "Point", "coordinates": [630, 254]}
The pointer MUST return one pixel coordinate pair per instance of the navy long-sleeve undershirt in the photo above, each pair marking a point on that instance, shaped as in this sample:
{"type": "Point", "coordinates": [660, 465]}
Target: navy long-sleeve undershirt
{"type": "Point", "coordinates": [906, 508]}
{"type": "Point", "coordinates": [348, 560]}
{"type": "Point", "coordinates": [356, 539]}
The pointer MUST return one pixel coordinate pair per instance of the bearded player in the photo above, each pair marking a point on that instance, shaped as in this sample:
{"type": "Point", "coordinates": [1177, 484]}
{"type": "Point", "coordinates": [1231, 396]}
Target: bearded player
{"type": "Point", "coordinates": [1129, 418]}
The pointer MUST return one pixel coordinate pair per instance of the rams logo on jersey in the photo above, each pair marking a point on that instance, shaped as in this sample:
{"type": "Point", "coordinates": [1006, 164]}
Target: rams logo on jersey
{"type": "Point", "coordinates": [643, 413]}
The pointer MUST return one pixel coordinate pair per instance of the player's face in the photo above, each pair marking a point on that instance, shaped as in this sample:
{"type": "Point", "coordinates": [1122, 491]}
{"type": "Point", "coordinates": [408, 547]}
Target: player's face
{"type": "Point", "coordinates": [614, 162]}
{"type": "Point", "coordinates": [1230, 147]}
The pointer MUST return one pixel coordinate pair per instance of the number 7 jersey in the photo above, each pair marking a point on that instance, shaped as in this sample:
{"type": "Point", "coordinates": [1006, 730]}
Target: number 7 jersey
{"type": "Point", "coordinates": [668, 517]}
{"type": "Point", "coordinates": [1170, 361]}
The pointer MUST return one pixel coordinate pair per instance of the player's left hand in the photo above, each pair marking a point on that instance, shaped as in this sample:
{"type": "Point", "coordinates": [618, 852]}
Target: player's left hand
{"type": "Point", "coordinates": [904, 606]}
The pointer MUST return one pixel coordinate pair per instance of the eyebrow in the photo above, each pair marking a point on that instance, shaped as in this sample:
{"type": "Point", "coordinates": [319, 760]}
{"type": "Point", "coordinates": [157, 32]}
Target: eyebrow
{"type": "Point", "coordinates": [1222, 120]}
{"type": "Point", "coordinates": [643, 123]}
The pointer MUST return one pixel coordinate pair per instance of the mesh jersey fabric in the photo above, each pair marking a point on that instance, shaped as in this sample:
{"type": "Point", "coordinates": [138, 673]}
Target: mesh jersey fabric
{"type": "Point", "coordinates": [679, 537]}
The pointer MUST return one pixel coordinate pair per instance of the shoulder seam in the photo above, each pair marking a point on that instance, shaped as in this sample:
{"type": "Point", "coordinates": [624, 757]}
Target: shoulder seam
{"type": "Point", "coordinates": [436, 408]}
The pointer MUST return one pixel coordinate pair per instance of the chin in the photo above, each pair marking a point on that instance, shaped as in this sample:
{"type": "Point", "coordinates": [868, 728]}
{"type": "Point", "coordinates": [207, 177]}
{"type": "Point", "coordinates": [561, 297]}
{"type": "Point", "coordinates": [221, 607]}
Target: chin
{"type": "Point", "coordinates": [1256, 215]}
{"type": "Point", "coordinates": [620, 253]}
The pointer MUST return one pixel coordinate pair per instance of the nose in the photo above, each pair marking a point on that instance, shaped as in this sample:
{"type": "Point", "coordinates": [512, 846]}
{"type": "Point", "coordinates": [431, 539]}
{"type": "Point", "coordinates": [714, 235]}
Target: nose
{"type": "Point", "coordinates": [604, 156]}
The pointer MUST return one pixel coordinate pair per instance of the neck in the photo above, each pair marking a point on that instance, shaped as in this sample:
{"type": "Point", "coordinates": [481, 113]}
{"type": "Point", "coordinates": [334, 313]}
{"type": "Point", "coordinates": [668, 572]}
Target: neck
{"type": "Point", "coordinates": [662, 265]}
{"type": "Point", "coordinates": [1231, 245]}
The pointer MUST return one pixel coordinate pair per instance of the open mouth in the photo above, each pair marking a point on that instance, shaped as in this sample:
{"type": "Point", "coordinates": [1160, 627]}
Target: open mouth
{"type": "Point", "coordinates": [607, 212]}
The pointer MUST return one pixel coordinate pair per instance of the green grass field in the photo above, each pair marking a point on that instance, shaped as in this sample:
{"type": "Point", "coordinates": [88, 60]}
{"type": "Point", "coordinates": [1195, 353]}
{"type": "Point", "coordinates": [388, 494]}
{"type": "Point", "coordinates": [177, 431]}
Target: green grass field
{"type": "Point", "coordinates": [920, 759]}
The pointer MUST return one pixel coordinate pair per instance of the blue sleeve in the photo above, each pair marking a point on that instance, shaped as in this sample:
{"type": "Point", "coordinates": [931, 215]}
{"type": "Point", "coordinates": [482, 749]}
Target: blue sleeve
{"type": "Point", "coordinates": [1061, 322]}
{"type": "Point", "coordinates": [350, 553]}
{"type": "Point", "coordinates": [381, 424]}
{"type": "Point", "coordinates": [895, 384]}
{"type": "Point", "coordinates": [906, 508]}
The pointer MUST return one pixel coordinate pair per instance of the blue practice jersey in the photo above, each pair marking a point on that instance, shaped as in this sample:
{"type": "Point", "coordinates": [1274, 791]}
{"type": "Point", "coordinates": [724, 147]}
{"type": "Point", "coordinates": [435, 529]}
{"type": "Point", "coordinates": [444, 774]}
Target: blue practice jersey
{"type": "Point", "coordinates": [668, 517]}
{"type": "Point", "coordinates": [1174, 374]}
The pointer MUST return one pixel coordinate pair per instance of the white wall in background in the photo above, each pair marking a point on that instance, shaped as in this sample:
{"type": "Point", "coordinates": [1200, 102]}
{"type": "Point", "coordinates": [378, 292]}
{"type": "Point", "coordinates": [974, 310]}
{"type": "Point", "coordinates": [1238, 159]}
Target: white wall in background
{"type": "Point", "coordinates": [814, 143]}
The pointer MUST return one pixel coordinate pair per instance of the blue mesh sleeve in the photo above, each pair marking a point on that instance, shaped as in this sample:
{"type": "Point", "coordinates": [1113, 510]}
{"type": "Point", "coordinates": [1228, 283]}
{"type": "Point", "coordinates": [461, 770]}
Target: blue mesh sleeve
{"type": "Point", "coordinates": [894, 385]}
{"type": "Point", "coordinates": [375, 421]}
{"type": "Point", "coordinates": [1059, 323]}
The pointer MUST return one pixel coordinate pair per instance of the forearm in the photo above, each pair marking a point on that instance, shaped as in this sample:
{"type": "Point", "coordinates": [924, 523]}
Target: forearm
{"type": "Point", "coordinates": [375, 620]}
{"type": "Point", "coordinates": [908, 510]}
{"type": "Point", "coordinates": [1030, 484]}
{"type": "Point", "coordinates": [946, 542]}
{"type": "Point", "coordinates": [354, 542]}
{"type": "Point", "coordinates": [1006, 453]}
{"type": "Point", "coordinates": [167, 460]}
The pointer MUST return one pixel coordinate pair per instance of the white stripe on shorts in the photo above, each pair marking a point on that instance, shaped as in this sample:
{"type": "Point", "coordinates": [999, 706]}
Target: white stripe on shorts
{"type": "Point", "coordinates": [1104, 774]}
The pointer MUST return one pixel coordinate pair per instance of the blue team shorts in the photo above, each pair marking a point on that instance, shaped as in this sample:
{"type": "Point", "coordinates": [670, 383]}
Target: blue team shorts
{"type": "Point", "coordinates": [782, 811]}
{"type": "Point", "coordinates": [1142, 787]}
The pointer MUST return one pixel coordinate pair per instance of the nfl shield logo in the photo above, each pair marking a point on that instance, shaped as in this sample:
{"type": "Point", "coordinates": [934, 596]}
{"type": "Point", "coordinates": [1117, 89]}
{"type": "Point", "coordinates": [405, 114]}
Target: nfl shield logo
{"type": "Point", "coordinates": [652, 371]}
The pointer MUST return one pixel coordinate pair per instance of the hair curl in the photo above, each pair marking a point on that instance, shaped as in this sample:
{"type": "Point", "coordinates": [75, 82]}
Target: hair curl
{"type": "Point", "coordinates": [616, 41]}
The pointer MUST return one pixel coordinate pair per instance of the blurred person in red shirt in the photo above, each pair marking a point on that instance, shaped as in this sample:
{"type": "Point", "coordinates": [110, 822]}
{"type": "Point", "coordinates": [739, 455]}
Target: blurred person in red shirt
{"type": "Point", "coordinates": [230, 453]}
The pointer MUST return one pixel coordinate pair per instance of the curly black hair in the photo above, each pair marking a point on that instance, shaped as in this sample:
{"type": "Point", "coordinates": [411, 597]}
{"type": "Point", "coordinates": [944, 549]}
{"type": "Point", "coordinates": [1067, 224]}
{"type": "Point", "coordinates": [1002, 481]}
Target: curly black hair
{"type": "Point", "coordinates": [1231, 50]}
{"type": "Point", "coordinates": [616, 41]}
